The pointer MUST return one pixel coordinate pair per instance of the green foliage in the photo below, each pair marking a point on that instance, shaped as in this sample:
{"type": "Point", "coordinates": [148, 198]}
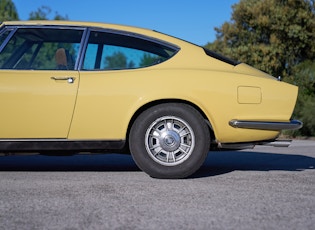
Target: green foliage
{"type": "Point", "coordinates": [278, 37]}
{"type": "Point", "coordinates": [8, 11]}
{"type": "Point", "coordinates": [272, 35]}
{"type": "Point", "coordinates": [118, 61]}
{"type": "Point", "coordinates": [43, 13]}
{"type": "Point", "coordinates": [305, 111]}
{"type": "Point", "coordinates": [304, 77]}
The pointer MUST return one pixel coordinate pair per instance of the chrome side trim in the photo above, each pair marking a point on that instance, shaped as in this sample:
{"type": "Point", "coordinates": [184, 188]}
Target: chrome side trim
{"type": "Point", "coordinates": [266, 125]}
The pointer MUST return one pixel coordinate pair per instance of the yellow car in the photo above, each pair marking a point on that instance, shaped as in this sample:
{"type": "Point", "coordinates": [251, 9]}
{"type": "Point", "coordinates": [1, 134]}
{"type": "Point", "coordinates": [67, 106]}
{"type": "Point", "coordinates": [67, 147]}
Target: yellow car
{"type": "Point", "coordinates": [86, 87]}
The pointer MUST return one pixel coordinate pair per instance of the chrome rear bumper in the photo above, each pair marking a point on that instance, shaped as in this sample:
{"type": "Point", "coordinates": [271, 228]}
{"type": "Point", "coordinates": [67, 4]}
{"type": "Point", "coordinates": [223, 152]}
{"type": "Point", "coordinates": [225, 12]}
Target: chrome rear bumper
{"type": "Point", "coordinates": [265, 125]}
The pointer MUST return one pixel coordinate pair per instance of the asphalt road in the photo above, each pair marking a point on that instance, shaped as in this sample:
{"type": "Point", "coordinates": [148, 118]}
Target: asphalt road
{"type": "Point", "coordinates": [263, 188]}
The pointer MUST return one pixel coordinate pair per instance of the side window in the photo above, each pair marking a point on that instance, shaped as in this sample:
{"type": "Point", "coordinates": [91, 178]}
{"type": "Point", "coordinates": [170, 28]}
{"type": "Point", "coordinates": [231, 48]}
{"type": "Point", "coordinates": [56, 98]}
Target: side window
{"type": "Point", "coordinates": [110, 51]}
{"type": "Point", "coordinates": [41, 49]}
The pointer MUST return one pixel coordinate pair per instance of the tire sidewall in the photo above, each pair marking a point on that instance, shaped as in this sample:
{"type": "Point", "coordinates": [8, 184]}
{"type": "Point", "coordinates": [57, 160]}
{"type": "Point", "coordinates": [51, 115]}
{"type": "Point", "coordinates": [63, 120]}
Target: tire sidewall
{"type": "Point", "coordinates": [145, 161]}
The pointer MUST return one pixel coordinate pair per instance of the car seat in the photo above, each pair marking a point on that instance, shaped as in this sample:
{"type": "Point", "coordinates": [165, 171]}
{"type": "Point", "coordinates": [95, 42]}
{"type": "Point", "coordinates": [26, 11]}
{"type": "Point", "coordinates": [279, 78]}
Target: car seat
{"type": "Point", "coordinates": [64, 60]}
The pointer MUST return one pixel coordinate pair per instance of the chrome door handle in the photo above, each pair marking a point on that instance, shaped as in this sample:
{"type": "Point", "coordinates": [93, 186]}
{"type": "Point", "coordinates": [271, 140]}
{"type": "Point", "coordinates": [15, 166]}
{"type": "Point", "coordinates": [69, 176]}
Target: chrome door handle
{"type": "Point", "coordinates": [68, 79]}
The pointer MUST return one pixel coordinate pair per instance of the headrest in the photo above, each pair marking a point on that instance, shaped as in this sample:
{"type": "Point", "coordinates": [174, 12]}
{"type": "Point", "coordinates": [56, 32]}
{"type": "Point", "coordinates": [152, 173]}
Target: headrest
{"type": "Point", "coordinates": [61, 57]}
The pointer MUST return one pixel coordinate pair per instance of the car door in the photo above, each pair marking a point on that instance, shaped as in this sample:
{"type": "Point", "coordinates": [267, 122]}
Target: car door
{"type": "Point", "coordinates": [38, 81]}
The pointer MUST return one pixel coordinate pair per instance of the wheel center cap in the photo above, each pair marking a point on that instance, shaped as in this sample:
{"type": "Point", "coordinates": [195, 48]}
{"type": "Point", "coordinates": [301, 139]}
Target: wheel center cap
{"type": "Point", "coordinates": [170, 141]}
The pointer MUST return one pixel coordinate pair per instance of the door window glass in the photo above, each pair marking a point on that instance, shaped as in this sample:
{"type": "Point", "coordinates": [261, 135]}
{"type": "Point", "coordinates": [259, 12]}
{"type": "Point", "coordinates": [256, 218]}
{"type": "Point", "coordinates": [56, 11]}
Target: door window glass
{"type": "Point", "coordinates": [41, 49]}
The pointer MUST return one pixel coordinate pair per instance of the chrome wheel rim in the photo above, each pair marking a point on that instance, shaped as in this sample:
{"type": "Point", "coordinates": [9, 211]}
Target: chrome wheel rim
{"type": "Point", "coordinates": [169, 140]}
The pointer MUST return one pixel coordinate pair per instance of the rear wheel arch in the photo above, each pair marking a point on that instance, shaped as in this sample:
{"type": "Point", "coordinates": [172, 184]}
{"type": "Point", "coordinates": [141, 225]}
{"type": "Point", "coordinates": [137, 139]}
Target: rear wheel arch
{"type": "Point", "coordinates": [166, 101]}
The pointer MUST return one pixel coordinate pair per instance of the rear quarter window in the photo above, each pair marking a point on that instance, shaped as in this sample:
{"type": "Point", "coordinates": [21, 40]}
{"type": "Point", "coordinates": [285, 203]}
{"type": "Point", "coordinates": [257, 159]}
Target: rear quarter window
{"type": "Point", "coordinates": [117, 51]}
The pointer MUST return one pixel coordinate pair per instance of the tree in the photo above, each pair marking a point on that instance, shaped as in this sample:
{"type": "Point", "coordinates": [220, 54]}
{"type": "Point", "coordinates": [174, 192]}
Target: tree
{"type": "Point", "coordinates": [272, 35]}
{"type": "Point", "coordinates": [149, 59]}
{"type": "Point", "coordinates": [8, 11]}
{"type": "Point", "coordinates": [43, 13]}
{"type": "Point", "coordinates": [117, 61]}
{"type": "Point", "coordinates": [305, 109]}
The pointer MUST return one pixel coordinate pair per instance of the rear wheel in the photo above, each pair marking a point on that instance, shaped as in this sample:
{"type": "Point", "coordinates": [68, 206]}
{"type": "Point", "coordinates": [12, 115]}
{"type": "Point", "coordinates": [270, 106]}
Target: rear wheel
{"type": "Point", "coordinates": [169, 140]}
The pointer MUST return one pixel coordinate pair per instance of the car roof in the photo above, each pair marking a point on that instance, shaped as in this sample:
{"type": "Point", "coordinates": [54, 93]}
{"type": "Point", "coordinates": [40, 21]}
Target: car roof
{"type": "Point", "coordinates": [133, 29]}
{"type": "Point", "coordinates": [72, 23]}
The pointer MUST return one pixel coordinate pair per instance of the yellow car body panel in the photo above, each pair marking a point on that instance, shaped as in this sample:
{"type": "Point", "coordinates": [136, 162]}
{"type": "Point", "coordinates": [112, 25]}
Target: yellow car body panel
{"type": "Point", "coordinates": [33, 105]}
{"type": "Point", "coordinates": [101, 104]}
{"type": "Point", "coordinates": [110, 95]}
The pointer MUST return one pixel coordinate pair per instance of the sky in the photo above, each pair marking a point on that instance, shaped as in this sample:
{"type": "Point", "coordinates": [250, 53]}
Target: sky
{"type": "Point", "coordinates": [191, 20]}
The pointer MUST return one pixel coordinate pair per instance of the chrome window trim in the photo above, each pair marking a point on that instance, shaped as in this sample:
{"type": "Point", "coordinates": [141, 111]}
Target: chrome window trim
{"type": "Point", "coordinates": [5, 42]}
{"type": "Point", "coordinates": [82, 50]}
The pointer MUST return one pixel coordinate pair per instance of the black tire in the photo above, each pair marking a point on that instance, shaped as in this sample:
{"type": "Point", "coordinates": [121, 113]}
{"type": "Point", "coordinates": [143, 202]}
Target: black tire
{"type": "Point", "coordinates": [169, 141]}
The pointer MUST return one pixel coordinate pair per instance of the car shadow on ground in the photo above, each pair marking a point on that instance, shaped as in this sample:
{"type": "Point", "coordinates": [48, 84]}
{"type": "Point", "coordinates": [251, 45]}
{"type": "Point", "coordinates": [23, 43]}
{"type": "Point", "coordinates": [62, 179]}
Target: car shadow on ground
{"type": "Point", "coordinates": [221, 162]}
{"type": "Point", "coordinates": [216, 163]}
